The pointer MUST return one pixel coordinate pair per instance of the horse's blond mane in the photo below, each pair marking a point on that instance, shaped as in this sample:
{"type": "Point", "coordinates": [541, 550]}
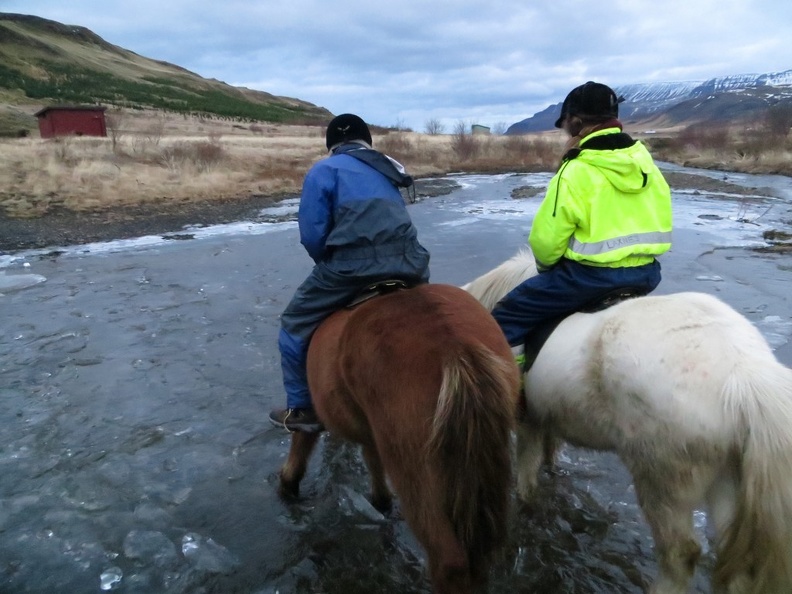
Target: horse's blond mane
{"type": "Point", "coordinates": [494, 285]}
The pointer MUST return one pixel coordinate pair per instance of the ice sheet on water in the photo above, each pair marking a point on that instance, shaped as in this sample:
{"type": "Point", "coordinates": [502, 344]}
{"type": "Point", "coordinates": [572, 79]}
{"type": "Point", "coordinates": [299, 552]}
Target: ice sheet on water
{"type": "Point", "coordinates": [206, 555]}
{"type": "Point", "coordinates": [281, 210]}
{"type": "Point", "coordinates": [110, 578]}
{"type": "Point", "coordinates": [776, 330]}
{"type": "Point", "coordinates": [151, 547]}
{"type": "Point", "coordinates": [147, 512]}
{"type": "Point", "coordinates": [17, 282]}
{"type": "Point", "coordinates": [356, 505]}
{"type": "Point", "coordinates": [732, 220]}
{"type": "Point", "coordinates": [146, 242]}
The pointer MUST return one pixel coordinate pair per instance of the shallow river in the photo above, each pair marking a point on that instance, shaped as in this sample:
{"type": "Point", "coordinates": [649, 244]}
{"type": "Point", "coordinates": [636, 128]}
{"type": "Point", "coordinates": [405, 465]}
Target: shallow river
{"type": "Point", "coordinates": [136, 376]}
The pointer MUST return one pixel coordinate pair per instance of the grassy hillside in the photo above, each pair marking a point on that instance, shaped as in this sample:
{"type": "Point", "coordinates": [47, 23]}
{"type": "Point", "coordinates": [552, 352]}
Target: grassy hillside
{"type": "Point", "coordinates": [45, 62]}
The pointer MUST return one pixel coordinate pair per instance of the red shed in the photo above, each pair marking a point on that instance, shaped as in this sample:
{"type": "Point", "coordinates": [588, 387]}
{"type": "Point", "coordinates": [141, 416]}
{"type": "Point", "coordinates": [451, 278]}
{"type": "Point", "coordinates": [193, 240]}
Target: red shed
{"type": "Point", "coordinates": [82, 120]}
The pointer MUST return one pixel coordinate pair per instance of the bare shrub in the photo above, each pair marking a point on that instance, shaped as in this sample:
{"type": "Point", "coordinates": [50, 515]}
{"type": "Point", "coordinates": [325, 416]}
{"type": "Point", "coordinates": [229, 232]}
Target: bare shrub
{"type": "Point", "coordinates": [531, 150]}
{"type": "Point", "coordinates": [64, 151]}
{"type": "Point", "coordinates": [778, 121]}
{"type": "Point", "coordinates": [207, 154]}
{"type": "Point", "coordinates": [114, 119]}
{"type": "Point", "coordinates": [463, 143]}
{"type": "Point", "coordinates": [173, 157]}
{"type": "Point", "coordinates": [705, 136]}
{"type": "Point", "coordinates": [396, 145]}
{"type": "Point", "coordinates": [400, 126]}
{"type": "Point", "coordinates": [752, 143]}
{"type": "Point", "coordinates": [434, 126]}
{"type": "Point", "coordinates": [546, 151]}
{"type": "Point", "coordinates": [154, 131]}
{"type": "Point", "coordinates": [203, 155]}
{"type": "Point", "coordinates": [141, 146]}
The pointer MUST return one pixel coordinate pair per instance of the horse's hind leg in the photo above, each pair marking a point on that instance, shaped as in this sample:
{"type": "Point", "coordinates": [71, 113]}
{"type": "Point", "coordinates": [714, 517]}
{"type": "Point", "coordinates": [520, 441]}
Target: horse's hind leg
{"type": "Point", "coordinates": [424, 508]}
{"type": "Point", "coordinates": [668, 499]}
{"type": "Point", "coordinates": [722, 503]}
{"type": "Point", "coordinates": [550, 448]}
{"type": "Point", "coordinates": [293, 470]}
{"type": "Point", "coordinates": [531, 452]}
{"type": "Point", "coordinates": [381, 497]}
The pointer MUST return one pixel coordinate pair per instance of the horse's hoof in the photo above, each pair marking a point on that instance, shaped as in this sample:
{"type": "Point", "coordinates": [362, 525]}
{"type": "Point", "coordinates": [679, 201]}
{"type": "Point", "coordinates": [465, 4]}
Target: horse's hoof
{"type": "Point", "coordinates": [289, 491]}
{"type": "Point", "coordinates": [527, 507]}
{"type": "Point", "coordinates": [528, 500]}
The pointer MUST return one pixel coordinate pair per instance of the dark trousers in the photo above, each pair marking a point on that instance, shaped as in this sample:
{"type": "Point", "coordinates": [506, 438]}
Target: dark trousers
{"type": "Point", "coordinates": [563, 290]}
{"type": "Point", "coordinates": [320, 295]}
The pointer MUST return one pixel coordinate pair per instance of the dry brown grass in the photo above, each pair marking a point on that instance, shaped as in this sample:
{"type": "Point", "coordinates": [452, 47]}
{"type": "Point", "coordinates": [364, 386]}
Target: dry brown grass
{"type": "Point", "coordinates": [756, 148]}
{"type": "Point", "coordinates": [151, 157]}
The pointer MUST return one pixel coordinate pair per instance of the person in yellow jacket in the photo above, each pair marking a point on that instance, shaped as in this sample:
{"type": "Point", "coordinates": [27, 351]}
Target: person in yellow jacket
{"type": "Point", "coordinates": [604, 220]}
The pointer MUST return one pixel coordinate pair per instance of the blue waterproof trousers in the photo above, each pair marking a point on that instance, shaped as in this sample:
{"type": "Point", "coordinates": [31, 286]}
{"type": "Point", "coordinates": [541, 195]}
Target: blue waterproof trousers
{"type": "Point", "coordinates": [321, 294]}
{"type": "Point", "coordinates": [563, 290]}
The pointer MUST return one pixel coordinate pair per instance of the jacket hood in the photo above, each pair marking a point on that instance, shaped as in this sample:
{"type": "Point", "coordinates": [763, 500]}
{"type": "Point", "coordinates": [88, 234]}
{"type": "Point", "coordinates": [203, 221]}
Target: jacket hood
{"type": "Point", "coordinates": [627, 167]}
{"type": "Point", "coordinates": [387, 166]}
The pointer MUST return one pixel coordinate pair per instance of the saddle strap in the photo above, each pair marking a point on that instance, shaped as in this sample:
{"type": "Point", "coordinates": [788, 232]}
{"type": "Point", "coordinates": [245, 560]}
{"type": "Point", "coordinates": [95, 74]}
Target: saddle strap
{"type": "Point", "coordinates": [376, 289]}
{"type": "Point", "coordinates": [612, 298]}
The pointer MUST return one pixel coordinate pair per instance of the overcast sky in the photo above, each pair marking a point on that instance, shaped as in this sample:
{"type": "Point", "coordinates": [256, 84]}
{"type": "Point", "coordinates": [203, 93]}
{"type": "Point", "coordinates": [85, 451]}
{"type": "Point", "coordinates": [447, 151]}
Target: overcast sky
{"type": "Point", "coordinates": [490, 62]}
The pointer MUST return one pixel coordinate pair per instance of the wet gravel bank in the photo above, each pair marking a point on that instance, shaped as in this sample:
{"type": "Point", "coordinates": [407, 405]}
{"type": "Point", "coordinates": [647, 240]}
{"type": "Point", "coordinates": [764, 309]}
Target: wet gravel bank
{"type": "Point", "coordinates": [64, 227]}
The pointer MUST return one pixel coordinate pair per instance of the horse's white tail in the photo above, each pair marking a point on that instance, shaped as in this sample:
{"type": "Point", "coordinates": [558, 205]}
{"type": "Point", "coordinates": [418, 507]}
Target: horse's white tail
{"type": "Point", "coordinates": [756, 551]}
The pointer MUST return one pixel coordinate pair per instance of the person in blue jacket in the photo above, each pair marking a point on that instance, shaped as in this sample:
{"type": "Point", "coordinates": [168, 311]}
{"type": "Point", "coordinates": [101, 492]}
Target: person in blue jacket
{"type": "Point", "coordinates": [354, 224]}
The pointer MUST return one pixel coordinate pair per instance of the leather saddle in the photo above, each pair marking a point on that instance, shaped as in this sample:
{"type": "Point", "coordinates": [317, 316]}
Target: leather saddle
{"type": "Point", "coordinates": [536, 339]}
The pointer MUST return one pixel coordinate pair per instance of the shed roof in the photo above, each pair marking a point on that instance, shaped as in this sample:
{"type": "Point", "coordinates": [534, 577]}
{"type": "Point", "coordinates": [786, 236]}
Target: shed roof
{"type": "Point", "coordinates": [41, 112]}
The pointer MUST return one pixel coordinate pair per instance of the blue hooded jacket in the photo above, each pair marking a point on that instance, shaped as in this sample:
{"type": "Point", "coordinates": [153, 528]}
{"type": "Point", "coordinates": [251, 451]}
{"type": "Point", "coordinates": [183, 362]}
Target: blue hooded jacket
{"type": "Point", "coordinates": [353, 218]}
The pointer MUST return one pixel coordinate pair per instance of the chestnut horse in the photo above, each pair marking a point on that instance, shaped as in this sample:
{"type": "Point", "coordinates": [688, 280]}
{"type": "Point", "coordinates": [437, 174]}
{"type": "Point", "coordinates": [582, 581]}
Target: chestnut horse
{"type": "Point", "coordinates": [425, 381]}
{"type": "Point", "coordinates": [690, 396]}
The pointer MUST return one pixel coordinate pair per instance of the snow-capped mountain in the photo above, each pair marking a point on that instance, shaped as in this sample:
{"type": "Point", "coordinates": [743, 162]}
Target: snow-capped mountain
{"type": "Point", "coordinates": [728, 97]}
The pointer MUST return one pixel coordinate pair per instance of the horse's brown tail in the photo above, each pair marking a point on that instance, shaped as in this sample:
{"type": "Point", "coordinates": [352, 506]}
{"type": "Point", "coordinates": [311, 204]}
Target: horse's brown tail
{"type": "Point", "coordinates": [470, 443]}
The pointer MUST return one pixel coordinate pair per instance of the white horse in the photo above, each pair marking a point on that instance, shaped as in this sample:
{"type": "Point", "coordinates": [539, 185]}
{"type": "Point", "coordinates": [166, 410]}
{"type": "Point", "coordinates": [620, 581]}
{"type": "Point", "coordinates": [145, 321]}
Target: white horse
{"type": "Point", "coordinates": [690, 396]}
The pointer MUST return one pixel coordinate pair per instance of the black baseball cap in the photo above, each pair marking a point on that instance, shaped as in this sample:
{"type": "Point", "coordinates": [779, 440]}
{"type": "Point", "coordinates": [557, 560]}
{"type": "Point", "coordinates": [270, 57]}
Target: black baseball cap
{"type": "Point", "coordinates": [590, 99]}
{"type": "Point", "coordinates": [345, 128]}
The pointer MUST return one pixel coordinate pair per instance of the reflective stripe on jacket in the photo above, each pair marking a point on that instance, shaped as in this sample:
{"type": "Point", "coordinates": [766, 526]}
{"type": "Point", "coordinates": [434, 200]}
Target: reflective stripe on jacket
{"type": "Point", "coordinates": [608, 207]}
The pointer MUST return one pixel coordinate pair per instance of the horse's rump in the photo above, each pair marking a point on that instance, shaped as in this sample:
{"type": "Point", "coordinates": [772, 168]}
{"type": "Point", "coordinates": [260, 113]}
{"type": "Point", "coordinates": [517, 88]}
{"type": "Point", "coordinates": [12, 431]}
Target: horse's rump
{"type": "Point", "coordinates": [386, 352]}
{"type": "Point", "coordinates": [672, 354]}
{"type": "Point", "coordinates": [426, 377]}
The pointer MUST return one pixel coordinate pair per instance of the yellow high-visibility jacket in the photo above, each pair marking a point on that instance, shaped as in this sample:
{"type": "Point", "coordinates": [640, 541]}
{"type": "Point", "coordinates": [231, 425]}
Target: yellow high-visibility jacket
{"type": "Point", "coordinates": [606, 206]}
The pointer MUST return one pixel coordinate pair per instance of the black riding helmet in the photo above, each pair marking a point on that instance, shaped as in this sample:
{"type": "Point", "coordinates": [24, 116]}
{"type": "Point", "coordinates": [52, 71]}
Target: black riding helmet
{"type": "Point", "coordinates": [591, 99]}
{"type": "Point", "coordinates": [345, 128]}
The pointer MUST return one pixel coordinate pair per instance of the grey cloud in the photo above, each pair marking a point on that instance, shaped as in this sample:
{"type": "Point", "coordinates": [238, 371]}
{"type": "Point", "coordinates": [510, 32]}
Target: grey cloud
{"type": "Point", "coordinates": [413, 58]}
